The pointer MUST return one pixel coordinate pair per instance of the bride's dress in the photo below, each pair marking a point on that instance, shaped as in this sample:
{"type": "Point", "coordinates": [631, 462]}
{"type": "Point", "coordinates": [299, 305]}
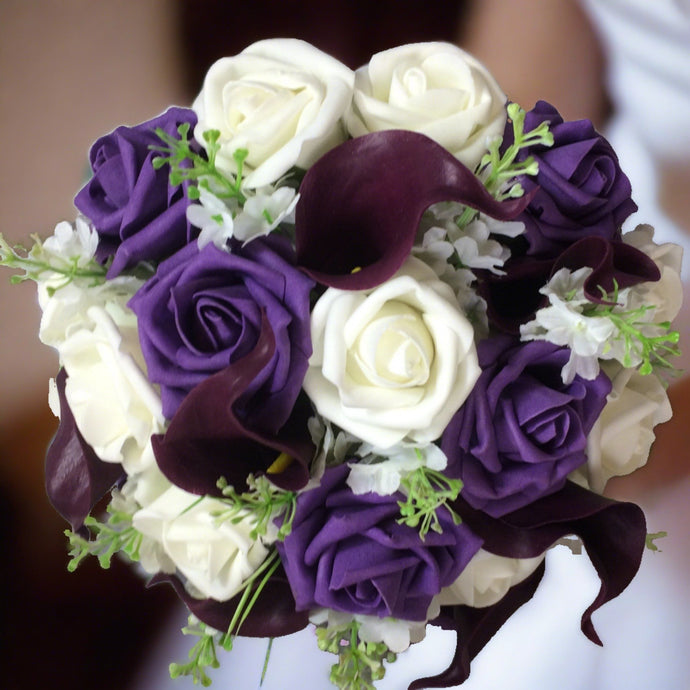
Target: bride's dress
{"type": "Point", "coordinates": [646, 631]}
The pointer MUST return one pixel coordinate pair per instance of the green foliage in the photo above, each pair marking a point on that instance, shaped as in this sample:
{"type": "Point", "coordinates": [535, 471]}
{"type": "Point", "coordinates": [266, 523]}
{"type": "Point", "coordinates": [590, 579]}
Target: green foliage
{"type": "Point", "coordinates": [427, 492]}
{"type": "Point", "coordinates": [188, 165]}
{"type": "Point", "coordinates": [644, 342]}
{"type": "Point", "coordinates": [115, 535]}
{"type": "Point", "coordinates": [651, 538]}
{"type": "Point", "coordinates": [498, 171]}
{"type": "Point", "coordinates": [203, 653]}
{"type": "Point", "coordinates": [201, 656]}
{"type": "Point", "coordinates": [263, 503]}
{"type": "Point", "coordinates": [359, 663]}
{"type": "Point", "coordinates": [38, 264]}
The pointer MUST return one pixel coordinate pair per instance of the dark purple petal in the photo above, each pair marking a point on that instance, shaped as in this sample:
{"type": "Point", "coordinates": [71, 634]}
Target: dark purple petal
{"type": "Point", "coordinates": [202, 311]}
{"type": "Point", "coordinates": [521, 430]}
{"type": "Point", "coordinates": [474, 628]}
{"type": "Point", "coordinates": [347, 552]}
{"type": "Point", "coordinates": [360, 205]}
{"type": "Point", "coordinates": [580, 190]}
{"type": "Point", "coordinates": [512, 299]}
{"type": "Point", "coordinates": [272, 615]}
{"type": "Point", "coordinates": [612, 263]}
{"type": "Point", "coordinates": [206, 440]}
{"type": "Point", "coordinates": [76, 479]}
{"type": "Point", "coordinates": [613, 533]}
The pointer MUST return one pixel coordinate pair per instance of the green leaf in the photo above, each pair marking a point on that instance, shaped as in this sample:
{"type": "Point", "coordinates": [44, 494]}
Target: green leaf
{"type": "Point", "coordinates": [188, 165]}
{"type": "Point", "coordinates": [117, 535]}
{"type": "Point", "coordinates": [360, 663]}
{"type": "Point", "coordinates": [428, 491]}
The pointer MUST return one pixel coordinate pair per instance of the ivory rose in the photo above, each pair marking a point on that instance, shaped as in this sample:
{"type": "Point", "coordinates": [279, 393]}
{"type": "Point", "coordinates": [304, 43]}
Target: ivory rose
{"type": "Point", "coordinates": [621, 438]}
{"type": "Point", "coordinates": [435, 89]}
{"type": "Point", "coordinates": [486, 579]}
{"type": "Point", "coordinates": [392, 362]}
{"type": "Point", "coordinates": [115, 407]}
{"type": "Point", "coordinates": [215, 557]}
{"type": "Point", "coordinates": [666, 294]}
{"type": "Point", "coordinates": [282, 100]}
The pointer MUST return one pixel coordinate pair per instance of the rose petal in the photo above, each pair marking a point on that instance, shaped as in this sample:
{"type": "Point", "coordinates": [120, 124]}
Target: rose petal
{"type": "Point", "coordinates": [206, 440]}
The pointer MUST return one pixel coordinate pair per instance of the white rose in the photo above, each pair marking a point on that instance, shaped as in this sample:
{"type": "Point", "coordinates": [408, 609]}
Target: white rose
{"type": "Point", "coordinates": [392, 362]}
{"type": "Point", "coordinates": [621, 438]}
{"type": "Point", "coordinates": [436, 89]}
{"type": "Point", "coordinates": [115, 407]}
{"type": "Point", "coordinates": [215, 557]}
{"type": "Point", "coordinates": [666, 294]}
{"type": "Point", "coordinates": [486, 579]}
{"type": "Point", "coordinates": [64, 309]}
{"type": "Point", "coordinates": [282, 100]}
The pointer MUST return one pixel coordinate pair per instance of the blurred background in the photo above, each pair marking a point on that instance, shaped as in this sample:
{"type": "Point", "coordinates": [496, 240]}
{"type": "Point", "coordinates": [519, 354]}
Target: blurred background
{"type": "Point", "coordinates": [70, 71]}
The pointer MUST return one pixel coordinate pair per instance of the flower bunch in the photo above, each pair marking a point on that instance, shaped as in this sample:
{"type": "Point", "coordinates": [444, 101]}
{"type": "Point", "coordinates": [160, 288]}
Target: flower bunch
{"type": "Point", "coordinates": [353, 348]}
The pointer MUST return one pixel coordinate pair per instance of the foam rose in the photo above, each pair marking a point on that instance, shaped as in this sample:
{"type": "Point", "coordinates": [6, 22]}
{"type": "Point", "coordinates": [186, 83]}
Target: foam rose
{"type": "Point", "coordinates": [348, 553]}
{"type": "Point", "coordinates": [138, 215]}
{"type": "Point", "coordinates": [580, 190]}
{"type": "Point", "coordinates": [522, 430]}
{"type": "Point", "coordinates": [282, 100]}
{"type": "Point", "coordinates": [622, 437]}
{"type": "Point", "coordinates": [435, 89]}
{"type": "Point", "coordinates": [392, 362]}
{"type": "Point", "coordinates": [203, 310]}
{"type": "Point", "coordinates": [487, 579]}
{"type": "Point", "coordinates": [115, 407]}
{"type": "Point", "coordinates": [215, 558]}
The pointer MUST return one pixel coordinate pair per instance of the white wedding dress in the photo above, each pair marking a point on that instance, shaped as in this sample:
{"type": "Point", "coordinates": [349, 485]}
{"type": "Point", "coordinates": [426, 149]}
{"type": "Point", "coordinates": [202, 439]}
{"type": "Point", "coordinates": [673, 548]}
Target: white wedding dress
{"type": "Point", "coordinates": [646, 631]}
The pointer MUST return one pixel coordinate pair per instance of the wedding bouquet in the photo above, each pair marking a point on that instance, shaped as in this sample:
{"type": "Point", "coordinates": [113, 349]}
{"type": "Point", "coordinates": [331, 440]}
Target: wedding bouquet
{"type": "Point", "coordinates": [353, 349]}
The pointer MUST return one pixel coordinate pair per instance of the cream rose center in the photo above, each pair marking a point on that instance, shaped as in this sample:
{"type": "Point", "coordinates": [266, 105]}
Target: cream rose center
{"type": "Point", "coordinates": [394, 350]}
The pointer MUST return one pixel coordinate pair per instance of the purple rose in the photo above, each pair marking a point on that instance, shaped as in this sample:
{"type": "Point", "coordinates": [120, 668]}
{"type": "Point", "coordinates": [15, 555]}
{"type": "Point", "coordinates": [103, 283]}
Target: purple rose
{"type": "Point", "coordinates": [347, 552]}
{"type": "Point", "coordinates": [138, 215]}
{"type": "Point", "coordinates": [203, 310]}
{"type": "Point", "coordinates": [580, 189]}
{"type": "Point", "coordinates": [522, 430]}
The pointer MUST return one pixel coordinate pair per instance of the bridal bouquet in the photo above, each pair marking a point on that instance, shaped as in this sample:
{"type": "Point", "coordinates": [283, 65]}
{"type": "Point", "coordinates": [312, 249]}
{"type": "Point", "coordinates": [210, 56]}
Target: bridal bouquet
{"type": "Point", "coordinates": [354, 350]}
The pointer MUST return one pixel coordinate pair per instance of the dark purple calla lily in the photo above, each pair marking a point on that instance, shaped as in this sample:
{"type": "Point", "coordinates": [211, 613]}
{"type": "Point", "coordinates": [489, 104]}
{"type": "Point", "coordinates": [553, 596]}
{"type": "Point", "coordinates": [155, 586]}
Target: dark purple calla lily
{"type": "Point", "coordinates": [474, 628]}
{"type": "Point", "coordinates": [272, 615]}
{"type": "Point", "coordinates": [613, 533]}
{"type": "Point", "coordinates": [206, 440]}
{"type": "Point", "coordinates": [360, 205]}
{"type": "Point", "coordinates": [612, 263]}
{"type": "Point", "coordinates": [76, 479]}
{"type": "Point", "coordinates": [513, 298]}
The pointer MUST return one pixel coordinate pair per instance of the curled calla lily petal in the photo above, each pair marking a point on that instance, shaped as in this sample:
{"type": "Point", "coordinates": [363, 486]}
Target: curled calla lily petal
{"type": "Point", "coordinates": [613, 533]}
{"type": "Point", "coordinates": [513, 298]}
{"type": "Point", "coordinates": [76, 479]}
{"type": "Point", "coordinates": [474, 628]}
{"type": "Point", "coordinates": [272, 615]}
{"type": "Point", "coordinates": [206, 440]}
{"type": "Point", "coordinates": [610, 262]}
{"type": "Point", "coordinates": [361, 203]}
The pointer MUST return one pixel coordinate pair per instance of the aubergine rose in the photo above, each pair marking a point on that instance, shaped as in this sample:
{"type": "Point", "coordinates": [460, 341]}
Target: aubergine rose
{"type": "Point", "coordinates": [580, 189]}
{"type": "Point", "coordinates": [138, 215]}
{"type": "Point", "coordinates": [347, 552]}
{"type": "Point", "coordinates": [522, 430]}
{"type": "Point", "coordinates": [203, 310]}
